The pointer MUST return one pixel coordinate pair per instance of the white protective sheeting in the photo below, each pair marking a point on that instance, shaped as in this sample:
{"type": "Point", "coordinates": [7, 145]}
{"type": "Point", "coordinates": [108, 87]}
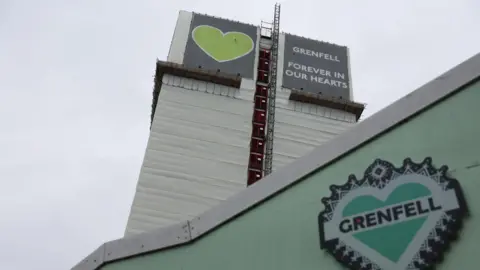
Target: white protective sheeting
{"type": "Point", "coordinates": [180, 37]}
{"type": "Point", "coordinates": [300, 127]}
{"type": "Point", "coordinates": [197, 152]}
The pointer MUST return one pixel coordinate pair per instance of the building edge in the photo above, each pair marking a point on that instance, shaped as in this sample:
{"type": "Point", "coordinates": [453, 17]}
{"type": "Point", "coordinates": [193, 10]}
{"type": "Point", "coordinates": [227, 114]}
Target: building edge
{"type": "Point", "coordinates": [178, 44]}
{"type": "Point", "coordinates": [350, 80]}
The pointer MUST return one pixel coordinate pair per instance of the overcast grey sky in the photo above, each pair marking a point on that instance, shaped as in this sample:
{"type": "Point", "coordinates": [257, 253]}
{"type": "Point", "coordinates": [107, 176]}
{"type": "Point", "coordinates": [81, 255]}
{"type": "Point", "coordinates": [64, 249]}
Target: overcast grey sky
{"type": "Point", "coordinates": [76, 80]}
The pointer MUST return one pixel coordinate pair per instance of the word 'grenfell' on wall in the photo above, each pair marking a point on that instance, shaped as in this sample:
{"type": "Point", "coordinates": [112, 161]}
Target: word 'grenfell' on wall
{"type": "Point", "coordinates": [316, 67]}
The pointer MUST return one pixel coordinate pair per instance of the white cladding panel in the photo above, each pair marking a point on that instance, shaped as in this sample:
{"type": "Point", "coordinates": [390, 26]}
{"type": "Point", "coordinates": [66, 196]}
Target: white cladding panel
{"type": "Point", "coordinates": [180, 37]}
{"type": "Point", "coordinates": [300, 127]}
{"type": "Point", "coordinates": [281, 53]}
{"type": "Point", "coordinates": [197, 153]}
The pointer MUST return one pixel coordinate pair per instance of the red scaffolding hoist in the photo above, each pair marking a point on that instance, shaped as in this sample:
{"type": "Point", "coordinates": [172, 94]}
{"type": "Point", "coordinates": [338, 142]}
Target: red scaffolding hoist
{"type": "Point", "coordinates": [261, 144]}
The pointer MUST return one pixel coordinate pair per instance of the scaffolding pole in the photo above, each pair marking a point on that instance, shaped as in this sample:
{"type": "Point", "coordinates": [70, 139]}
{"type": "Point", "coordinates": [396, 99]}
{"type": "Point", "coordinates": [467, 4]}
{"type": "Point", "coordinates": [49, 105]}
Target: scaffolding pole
{"type": "Point", "coordinates": [272, 91]}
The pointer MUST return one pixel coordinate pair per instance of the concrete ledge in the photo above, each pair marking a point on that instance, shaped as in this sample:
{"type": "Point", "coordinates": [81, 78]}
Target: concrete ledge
{"type": "Point", "coordinates": [329, 102]}
{"type": "Point", "coordinates": [147, 242]}
{"type": "Point", "coordinates": [135, 245]}
{"type": "Point", "coordinates": [92, 261]}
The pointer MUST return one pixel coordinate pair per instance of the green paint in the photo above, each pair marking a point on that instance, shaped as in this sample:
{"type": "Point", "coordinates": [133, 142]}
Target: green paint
{"type": "Point", "coordinates": [222, 47]}
{"type": "Point", "coordinates": [402, 193]}
{"type": "Point", "coordinates": [282, 233]}
{"type": "Point", "coordinates": [390, 241]}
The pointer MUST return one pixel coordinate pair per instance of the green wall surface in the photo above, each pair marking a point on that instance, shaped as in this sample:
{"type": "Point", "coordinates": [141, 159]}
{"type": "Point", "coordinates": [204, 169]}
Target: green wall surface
{"type": "Point", "coordinates": [282, 233]}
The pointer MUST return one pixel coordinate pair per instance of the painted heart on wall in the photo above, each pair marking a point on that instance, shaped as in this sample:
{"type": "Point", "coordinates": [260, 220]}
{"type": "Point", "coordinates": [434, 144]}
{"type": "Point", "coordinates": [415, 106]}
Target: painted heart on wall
{"type": "Point", "coordinates": [220, 46]}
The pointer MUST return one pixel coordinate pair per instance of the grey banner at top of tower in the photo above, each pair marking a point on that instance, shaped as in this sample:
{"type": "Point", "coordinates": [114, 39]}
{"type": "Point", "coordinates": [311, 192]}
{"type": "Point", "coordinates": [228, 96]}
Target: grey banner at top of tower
{"type": "Point", "coordinates": [219, 44]}
{"type": "Point", "coordinates": [316, 67]}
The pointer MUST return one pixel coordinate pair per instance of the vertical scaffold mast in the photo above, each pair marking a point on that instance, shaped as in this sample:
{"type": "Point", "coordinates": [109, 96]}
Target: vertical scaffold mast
{"type": "Point", "coordinates": [272, 91]}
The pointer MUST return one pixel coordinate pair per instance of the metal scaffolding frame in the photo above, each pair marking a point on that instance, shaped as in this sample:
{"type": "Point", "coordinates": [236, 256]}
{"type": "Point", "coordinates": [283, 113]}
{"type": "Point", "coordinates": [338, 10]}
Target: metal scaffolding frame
{"type": "Point", "coordinates": [272, 91]}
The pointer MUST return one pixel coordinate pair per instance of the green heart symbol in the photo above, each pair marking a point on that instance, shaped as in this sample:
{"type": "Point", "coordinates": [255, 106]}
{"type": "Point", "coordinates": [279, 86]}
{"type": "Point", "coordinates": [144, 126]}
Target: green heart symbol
{"type": "Point", "coordinates": [390, 241]}
{"type": "Point", "coordinates": [222, 47]}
